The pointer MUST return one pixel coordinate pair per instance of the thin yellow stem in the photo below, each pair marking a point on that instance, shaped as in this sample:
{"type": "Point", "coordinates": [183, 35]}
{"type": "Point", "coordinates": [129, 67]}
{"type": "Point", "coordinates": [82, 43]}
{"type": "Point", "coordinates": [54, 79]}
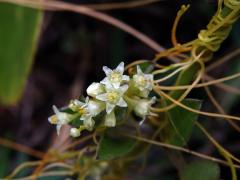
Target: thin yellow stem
{"type": "Point", "coordinates": [194, 110]}
{"type": "Point", "coordinates": [221, 150]}
{"type": "Point", "coordinates": [21, 167]}
{"type": "Point", "coordinates": [171, 74]}
{"type": "Point", "coordinates": [220, 109]}
{"type": "Point", "coordinates": [135, 63]}
{"type": "Point", "coordinates": [57, 164]}
{"type": "Point", "coordinates": [164, 69]}
{"type": "Point", "coordinates": [213, 82]}
{"type": "Point", "coordinates": [215, 143]}
{"type": "Point", "coordinates": [46, 174]}
{"type": "Point", "coordinates": [174, 28]}
{"type": "Point", "coordinates": [180, 149]}
{"type": "Point", "coordinates": [201, 71]}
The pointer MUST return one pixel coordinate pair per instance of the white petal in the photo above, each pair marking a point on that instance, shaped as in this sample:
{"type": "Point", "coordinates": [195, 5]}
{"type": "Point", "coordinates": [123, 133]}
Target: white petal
{"type": "Point", "coordinates": [102, 97]}
{"type": "Point", "coordinates": [58, 128]}
{"type": "Point", "coordinates": [95, 89]}
{"type": "Point", "coordinates": [125, 78]}
{"type": "Point", "coordinates": [122, 103]}
{"type": "Point", "coordinates": [55, 109]}
{"type": "Point", "coordinates": [78, 103]}
{"type": "Point", "coordinates": [104, 81]}
{"type": "Point", "coordinates": [87, 100]}
{"type": "Point", "coordinates": [74, 132]}
{"type": "Point", "coordinates": [110, 120]}
{"type": "Point", "coordinates": [107, 70]}
{"type": "Point", "coordinates": [123, 88]}
{"type": "Point", "coordinates": [153, 100]}
{"type": "Point", "coordinates": [139, 71]}
{"type": "Point", "coordinates": [142, 121]}
{"type": "Point", "coordinates": [120, 67]}
{"type": "Point", "coordinates": [109, 87]}
{"type": "Point", "coordinates": [116, 85]}
{"type": "Point", "coordinates": [85, 116]}
{"type": "Point", "coordinates": [109, 108]}
{"type": "Point", "coordinates": [64, 118]}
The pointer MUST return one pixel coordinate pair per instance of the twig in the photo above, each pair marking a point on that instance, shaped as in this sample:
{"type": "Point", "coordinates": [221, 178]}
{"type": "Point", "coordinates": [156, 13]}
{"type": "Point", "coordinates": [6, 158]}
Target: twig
{"type": "Point", "coordinates": [180, 149]}
{"type": "Point", "coordinates": [63, 6]}
{"type": "Point", "coordinates": [21, 148]}
{"type": "Point", "coordinates": [121, 5]}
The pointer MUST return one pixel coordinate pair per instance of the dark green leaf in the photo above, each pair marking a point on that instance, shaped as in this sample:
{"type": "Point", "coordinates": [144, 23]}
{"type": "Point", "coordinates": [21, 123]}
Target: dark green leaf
{"type": "Point", "coordinates": [147, 67]}
{"type": "Point", "coordinates": [111, 148]}
{"type": "Point", "coordinates": [19, 32]}
{"type": "Point", "coordinates": [181, 123]}
{"type": "Point", "coordinates": [201, 170]}
{"type": "Point", "coordinates": [4, 161]}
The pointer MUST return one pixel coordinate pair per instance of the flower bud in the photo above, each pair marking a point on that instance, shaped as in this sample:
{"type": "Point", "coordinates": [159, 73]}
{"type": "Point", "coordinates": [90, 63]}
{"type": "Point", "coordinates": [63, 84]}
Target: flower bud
{"type": "Point", "coordinates": [143, 106]}
{"type": "Point", "coordinates": [74, 132]}
{"type": "Point", "coordinates": [95, 107]}
{"type": "Point", "coordinates": [95, 89]}
{"type": "Point", "coordinates": [89, 123]}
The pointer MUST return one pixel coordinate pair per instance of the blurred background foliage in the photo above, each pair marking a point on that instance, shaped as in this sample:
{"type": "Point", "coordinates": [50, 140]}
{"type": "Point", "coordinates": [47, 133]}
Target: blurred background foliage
{"type": "Point", "coordinates": [48, 58]}
{"type": "Point", "coordinates": [19, 34]}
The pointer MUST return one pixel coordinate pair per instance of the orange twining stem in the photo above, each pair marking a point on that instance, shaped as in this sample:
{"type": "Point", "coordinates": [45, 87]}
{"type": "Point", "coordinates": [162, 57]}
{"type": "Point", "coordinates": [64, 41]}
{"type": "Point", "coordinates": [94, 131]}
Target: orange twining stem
{"type": "Point", "coordinates": [175, 24]}
{"type": "Point", "coordinates": [21, 148]}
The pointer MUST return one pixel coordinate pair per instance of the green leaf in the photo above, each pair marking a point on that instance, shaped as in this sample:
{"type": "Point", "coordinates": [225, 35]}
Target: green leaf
{"type": "Point", "coordinates": [147, 67]}
{"type": "Point", "coordinates": [111, 148]}
{"type": "Point", "coordinates": [181, 123]}
{"type": "Point", "coordinates": [4, 161]}
{"type": "Point", "coordinates": [19, 32]}
{"type": "Point", "coordinates": [200, 170]}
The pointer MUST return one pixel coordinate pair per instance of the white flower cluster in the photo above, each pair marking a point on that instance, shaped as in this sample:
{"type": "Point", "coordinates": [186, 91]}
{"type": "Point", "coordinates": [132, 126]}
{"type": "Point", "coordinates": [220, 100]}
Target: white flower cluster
{"type": "Point", "coordinates": [114, 90]}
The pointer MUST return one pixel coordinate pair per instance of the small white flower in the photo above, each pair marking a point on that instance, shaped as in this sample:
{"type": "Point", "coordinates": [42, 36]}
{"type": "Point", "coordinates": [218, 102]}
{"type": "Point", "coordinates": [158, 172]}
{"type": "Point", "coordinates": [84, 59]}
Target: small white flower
{"type": "Point", "coordinates": [60, 118]}
{"type": "Point", "coordinates": [113, 97]}
{"type": "Point", "coordinates": [115, 77]}
{"type": "Point", "coordinates": [87, 110]}
{"type": "Point", "coordinates": [110, 120]}
{"type": "Point", "coordinates": [95, 89]}
{"type": "Point", "coordinates": [143, 106]}
{"type": "Point", "coordinates": [89, 107]}
{"type": "Point", "coordinates": [144, 82]}
{"type": "Point", "coordinates": [74, 132]}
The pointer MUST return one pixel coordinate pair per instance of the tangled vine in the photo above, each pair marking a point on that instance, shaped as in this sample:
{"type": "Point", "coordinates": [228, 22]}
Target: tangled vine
{"type": "Point", "coordinates": [121, 107]}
